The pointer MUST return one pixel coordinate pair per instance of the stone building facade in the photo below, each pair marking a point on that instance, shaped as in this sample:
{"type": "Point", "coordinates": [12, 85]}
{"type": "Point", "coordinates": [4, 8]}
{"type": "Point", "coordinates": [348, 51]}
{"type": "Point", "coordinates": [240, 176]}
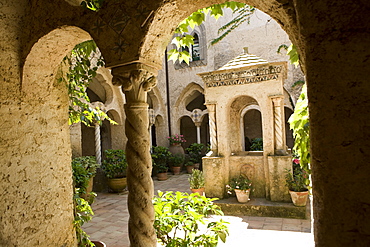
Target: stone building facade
{"type": "Point", "coordinates": [35, 150]}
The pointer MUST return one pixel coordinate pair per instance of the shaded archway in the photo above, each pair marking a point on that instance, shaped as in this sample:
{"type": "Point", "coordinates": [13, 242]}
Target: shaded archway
{"type": "Point", "coordinates": [46, 151]}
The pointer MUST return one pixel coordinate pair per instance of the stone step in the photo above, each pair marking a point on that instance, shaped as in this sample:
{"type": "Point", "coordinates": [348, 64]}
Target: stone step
{"type": "Point", "coordinates": [263, 207]}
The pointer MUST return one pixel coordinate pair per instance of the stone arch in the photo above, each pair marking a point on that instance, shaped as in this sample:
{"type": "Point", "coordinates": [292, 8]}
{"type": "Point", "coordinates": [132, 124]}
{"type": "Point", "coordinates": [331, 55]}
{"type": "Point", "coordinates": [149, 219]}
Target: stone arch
{"type": "Point", "coordinates": [188, 129]}
{"type": "Point", "coordinates": [243, 125]}
{"type": "Point", "coordinates": [187, 94]}
{"type": "Point", "coordinates": [238, 107]}
{"type": "Point", "coordinates": [46, 150]}
{"type": "Point", "coordinates": [159, 36]}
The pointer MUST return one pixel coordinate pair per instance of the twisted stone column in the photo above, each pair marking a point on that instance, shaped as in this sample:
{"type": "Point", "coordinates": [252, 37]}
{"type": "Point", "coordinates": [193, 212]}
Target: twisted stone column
{"type": "Point", "coordinates": [136, 80]}
{"type": "Point", "coordinates": [212, 128]}
{"type": "Point", "coordinates": [97, 144]}
{"type": "Point", "coordinates": [279, 132]}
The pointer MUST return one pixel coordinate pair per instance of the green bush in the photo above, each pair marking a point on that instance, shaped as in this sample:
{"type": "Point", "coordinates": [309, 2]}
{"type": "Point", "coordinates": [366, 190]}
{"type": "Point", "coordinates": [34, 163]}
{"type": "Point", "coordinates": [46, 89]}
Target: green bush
{"type": "Point", "coordinates": [83, 169]}
{"type": "Point", "coordinates": [176, 159]}
{"type": "Point", "coordinates": [195, 152]}
{"type": "Point", "coordinates": [160, 157]}
{"type": "Point", "coordinates": [179, 218]}
{"type": "Point", "coordinates": [196, 179]}
{"type": "Point", "coordinates": [257, 144]}
{"type": "Point", "coordinates": [115, 163]}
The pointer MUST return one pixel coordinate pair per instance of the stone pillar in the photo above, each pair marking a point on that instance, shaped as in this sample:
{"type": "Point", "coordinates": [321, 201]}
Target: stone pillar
{"type": "Point", "coordinates": [198, 124]}
{"type": "Point", "coordinates": [151, 123]}
{"type": "Point", "coordinates": [196, 116]}
{"type": "Point", "coordinates": [279, 125]}
{"type": "Point", "coordinates": [212, 127]}
{"type": "Point", "coordinates": [97, 144]}
{"type": "Point", "coordinates": [136, 80]}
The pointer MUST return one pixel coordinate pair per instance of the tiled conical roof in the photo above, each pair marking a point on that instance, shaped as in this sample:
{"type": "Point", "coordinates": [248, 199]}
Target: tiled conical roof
{"type": "Point", "coordinates": [243, 60]}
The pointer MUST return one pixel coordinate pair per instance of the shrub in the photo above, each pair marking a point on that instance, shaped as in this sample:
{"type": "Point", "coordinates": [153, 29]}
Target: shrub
{"type": "Point", "coordinates": [196, 179]}
{"type": "Point", "coordinates": [179, 218]}
{"type": "Point", "coordinates": [83, 169]}
{"type": "Point", "coordinates": [115, 163]}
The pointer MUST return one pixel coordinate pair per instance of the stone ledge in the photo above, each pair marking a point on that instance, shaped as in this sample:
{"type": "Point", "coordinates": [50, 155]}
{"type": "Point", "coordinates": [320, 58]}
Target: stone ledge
{"type": "Point", "coordinates": [263, 207]}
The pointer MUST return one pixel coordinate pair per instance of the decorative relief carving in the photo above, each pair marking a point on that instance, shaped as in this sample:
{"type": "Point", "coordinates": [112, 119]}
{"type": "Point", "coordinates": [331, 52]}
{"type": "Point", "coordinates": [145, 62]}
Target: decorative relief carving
{"type": "Point", "coordinates": [242, 77]}
{"type": "Point", "coordinates": [247, 170]}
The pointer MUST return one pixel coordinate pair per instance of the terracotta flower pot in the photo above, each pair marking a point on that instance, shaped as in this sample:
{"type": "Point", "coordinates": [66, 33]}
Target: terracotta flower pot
{"type": "Point", "coordinates": [189, 169]}
{"type": "Point", "coordinates": [99, 244]}
{"type": "Point", "coordinates": [199, 191]}
{"type": "Point", "coordinates": [161, 176]}
{"type": "Point", "coordinates": [176, 170]}
{"type": "Point", "coordinates": [117, 184]}
{"type": "Point", "coordinates": [242, 195]}
{"type": "Point", "coordinates": [176, 148]}
{"type": "Point", "coordinates": [299, 198]}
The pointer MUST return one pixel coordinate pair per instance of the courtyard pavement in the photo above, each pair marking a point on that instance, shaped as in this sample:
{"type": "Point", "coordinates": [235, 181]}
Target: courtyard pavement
{"type": "Point", "coordinates": [111, 221]}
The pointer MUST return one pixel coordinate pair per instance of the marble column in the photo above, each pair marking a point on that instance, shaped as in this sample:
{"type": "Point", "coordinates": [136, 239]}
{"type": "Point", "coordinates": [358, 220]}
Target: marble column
{"type": "Point", "coordinates": [97, 144]}
{"type": "Point", "coordinates": [212, 127]}
{"type": "Point", "coordinates": [279, 125]}
{"type": "Point", "coordinates": [151, 123]}
{"type": "Point", "coordinates": [136, 80]}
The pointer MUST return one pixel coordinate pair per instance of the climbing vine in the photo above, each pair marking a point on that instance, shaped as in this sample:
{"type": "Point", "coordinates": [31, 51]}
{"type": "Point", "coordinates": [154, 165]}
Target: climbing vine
{"type": "Point", "coordinates": [82, 64]}
{"type": "Point", "coordinates": [182, 40]}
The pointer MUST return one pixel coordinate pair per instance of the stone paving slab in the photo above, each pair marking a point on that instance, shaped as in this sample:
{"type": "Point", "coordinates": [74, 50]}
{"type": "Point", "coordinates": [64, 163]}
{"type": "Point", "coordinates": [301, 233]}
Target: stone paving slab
{"type": "Point", "coordinates": [111, 221]}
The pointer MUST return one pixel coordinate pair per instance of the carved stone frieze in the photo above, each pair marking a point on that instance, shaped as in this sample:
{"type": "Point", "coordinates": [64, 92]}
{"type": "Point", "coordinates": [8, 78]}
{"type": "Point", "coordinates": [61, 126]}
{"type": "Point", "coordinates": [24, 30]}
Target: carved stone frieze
{"type": "Point", "coordinates": [266, 73]}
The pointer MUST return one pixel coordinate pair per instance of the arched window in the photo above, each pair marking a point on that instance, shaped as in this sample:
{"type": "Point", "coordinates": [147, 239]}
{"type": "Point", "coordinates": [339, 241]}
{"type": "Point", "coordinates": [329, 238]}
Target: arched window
{"type": "Point", "coordinates": [195, 48]}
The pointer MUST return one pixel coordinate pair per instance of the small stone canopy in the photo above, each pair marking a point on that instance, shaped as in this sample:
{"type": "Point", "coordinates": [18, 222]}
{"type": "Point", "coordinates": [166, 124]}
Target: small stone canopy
{"type": "Point", "coordinates": [244, 84]}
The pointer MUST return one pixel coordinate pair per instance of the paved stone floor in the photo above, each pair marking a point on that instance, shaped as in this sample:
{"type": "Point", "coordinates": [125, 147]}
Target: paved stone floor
{"type": "Point", "coordinates": [111, 216]}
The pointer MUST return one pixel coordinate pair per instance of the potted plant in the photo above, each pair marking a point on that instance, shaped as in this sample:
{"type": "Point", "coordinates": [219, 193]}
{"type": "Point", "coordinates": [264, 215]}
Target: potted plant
{"type": "Point", "coordinates": [257, 144]}
{"type": "Point", "coordinates": [175, 144]}
{"type": "Point", "coordinates": [84, 170]}
{"type": "Point", "coordinates": [297, 182]}
{"type": "Point", "coordinates": [183, 220]}
{"type": "Point", "coordinates": [175, 161]}
{"type": "Point", "coordinates": [195, 154]}
{"type": "Point", "coordinates": [114, 167]}
{"type": "Point", "coordinates": [160, 158]}
{"type": "Point", "coordinates": [197, 182]}
{"type": "Point", "coordinates": [189, 167]}
{"type": "Point", "coordinates": [242, 187]}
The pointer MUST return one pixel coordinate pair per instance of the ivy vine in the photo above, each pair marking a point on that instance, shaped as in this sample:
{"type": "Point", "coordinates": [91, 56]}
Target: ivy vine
{"type": "Point", "coordinates": [82, 64]}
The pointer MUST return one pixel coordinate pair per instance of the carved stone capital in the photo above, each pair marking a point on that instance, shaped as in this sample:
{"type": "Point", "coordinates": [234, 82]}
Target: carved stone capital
{"type": "Point", "coordinates": [136, 80]}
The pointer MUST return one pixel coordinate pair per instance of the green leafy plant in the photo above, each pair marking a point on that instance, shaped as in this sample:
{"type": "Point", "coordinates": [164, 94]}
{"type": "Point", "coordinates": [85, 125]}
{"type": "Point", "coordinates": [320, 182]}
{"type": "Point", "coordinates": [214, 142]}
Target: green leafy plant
{"type": "Point", "coordinates": [93, 5]}
{"type": "Point", "coordinates": [189, 163]}
{"type": "Point", "coordinates": [182, 40]}
{"type": "Point", "coordinates": [160, 157]}
{"type": "Point", "coordinates": [239, 183]}
{"type": "Point", "coordinates": [291, 52]}
{"type": "Point", "coordinates": [115, 164]}
{"type": "Point", "coordinates": [243, 14]}
{"type": "Point", "coordinates": [298, 180]}
{"type": "Point", "coordinates": [80, 73]}
{"type": "Point", "coordinates": [196, 179]}
{"type": "Point", "coordinates": [256, 144]}
{"type": "Point", "coordinates": [195, 152]}
{"type": "Point", "coordinates": [83, 168]}
{"type": "Point", "coordinates": [176, 160]}
{"type": "Point", "coordinates": [299, 123]}
{"type": "Point", "coordinates": [181, 220]}
{"type": "Point", "coordinates": [82, 214]}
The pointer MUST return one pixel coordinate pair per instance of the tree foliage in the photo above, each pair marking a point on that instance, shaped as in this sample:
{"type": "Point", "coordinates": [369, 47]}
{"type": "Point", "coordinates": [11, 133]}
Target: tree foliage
{"type": "Point", "coordinates": [243, 14]}
{"type": "Point", "coordinates": [181, 220]}
{"type": "Point", "coordinates": [82, 63]}
{"type": "Point", "coordinates": [291, 52]}
{"type": "Point", "coordinates": [182, 40]}
{"type": "Point", "coordinates": [299, 123]}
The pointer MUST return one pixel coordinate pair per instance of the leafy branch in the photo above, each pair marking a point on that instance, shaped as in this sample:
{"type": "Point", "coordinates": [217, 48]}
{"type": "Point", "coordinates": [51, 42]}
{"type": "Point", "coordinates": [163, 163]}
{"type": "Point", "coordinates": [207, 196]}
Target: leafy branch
{"type": "Point", "coordinates": [182, 40]}
{"type": "Point", "coordinates": [243, 14]}
{"type": "Point", "coordinates": [82, 63]}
